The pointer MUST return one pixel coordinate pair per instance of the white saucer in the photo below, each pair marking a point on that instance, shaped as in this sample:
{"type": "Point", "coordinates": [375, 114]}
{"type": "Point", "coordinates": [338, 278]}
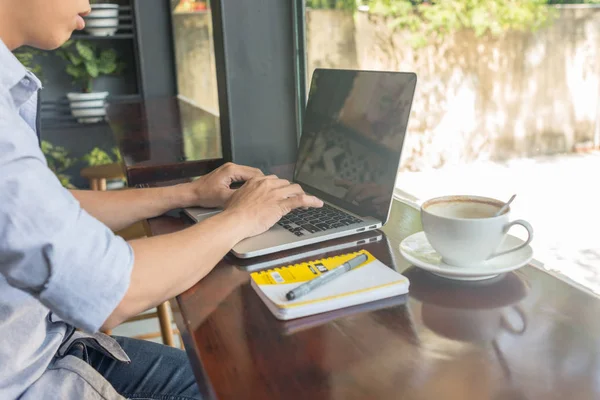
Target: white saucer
{"type": "Point", "coordinates": [417, 250]}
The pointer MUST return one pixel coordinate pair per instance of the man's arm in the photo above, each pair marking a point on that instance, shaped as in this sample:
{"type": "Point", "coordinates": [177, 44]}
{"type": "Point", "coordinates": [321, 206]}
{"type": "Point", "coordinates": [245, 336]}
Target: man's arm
{"type": "Point", "coordinates": [121, 208]}
{"type": "Point", "coordinates": [192, 253]}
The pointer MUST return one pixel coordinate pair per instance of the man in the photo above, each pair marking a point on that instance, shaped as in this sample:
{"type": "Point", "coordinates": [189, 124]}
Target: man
{"type": "Point", "coordinates": [62, 267]}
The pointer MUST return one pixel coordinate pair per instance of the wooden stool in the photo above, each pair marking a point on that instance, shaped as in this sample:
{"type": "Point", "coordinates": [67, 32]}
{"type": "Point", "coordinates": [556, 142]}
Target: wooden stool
{"type": "Point", "coordinates": [97, 177]}
{"type": "Point", "coordinates": [99, 174]}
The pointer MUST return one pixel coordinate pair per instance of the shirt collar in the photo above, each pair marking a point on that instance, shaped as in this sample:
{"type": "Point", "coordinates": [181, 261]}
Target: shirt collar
{"type": "Point", "coordinates": [15, 78]}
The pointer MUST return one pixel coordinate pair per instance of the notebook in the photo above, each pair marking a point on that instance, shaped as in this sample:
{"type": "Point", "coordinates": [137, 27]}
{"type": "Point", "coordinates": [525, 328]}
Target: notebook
{"type": "Point", "coordinates": [368, 282]}
{"type": "Point", "coordinates": [296, 325]}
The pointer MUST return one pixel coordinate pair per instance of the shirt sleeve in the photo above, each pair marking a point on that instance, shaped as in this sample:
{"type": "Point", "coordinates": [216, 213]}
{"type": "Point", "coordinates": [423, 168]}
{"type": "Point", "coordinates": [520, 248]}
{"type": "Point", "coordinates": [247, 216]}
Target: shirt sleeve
{"type": "Point", "coordinates": [51, 247]}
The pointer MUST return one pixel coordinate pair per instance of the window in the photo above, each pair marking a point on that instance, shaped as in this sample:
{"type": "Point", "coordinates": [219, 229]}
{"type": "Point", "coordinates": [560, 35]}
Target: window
{"type": "Point", "coordinates": [497, 111]}
{"type": "Point", "coordinates": [196, 78]}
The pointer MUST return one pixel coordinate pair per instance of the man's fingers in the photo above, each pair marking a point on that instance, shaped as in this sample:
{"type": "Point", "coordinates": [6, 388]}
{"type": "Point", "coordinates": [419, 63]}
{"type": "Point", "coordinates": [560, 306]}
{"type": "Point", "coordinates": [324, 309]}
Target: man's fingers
{"type": "Point", "coordinates": [260, 180]}
{"type": "Point", "coordinates": [275, 183]}
{"type": "Point", "coordinates": [265, 178]}
{"type": "Point", "coordinates": [290, 191]}
{"type": "Point", "coordinates": [302, 200]}
{"type": "Point", "coordinates": [239, 173]}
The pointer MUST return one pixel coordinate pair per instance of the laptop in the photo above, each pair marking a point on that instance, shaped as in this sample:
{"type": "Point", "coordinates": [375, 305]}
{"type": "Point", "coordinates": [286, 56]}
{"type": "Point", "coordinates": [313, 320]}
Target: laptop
{"type": "Point", "coordinates": [293, 256]}
{"type": "Point", "coordinates": [349, 155]}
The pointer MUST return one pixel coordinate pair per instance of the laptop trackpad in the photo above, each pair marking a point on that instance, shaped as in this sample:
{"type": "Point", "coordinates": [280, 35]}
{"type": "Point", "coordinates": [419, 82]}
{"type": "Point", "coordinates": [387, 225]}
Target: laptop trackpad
{"type": "Point", "coordinates": [200, 214]}
{"type": "Point", "coordinates": [274, 237]}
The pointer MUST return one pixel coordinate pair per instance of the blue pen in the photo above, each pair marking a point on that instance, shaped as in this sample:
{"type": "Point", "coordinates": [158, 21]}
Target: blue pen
{"type": "Point", "coordinates": [326, 277]}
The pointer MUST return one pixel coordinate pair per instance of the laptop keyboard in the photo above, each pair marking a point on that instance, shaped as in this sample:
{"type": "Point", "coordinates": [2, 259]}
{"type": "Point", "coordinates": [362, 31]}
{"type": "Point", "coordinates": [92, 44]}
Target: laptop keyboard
{"type": "Point", "coordinates": [305, 222]}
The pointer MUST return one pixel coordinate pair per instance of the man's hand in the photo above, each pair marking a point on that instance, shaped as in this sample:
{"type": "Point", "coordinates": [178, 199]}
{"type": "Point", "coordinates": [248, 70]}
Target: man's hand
{"type": "Point", "coordinates": [212, 190]}
{"type": "Point", "coordinates": [262, 201]}
{"type": "Point", "coordinates": [251, 210]}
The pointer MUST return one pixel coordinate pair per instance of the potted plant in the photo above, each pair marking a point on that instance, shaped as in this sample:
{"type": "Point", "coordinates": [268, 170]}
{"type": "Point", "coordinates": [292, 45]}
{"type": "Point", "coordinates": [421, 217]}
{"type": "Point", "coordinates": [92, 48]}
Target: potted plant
{"type": "Point", "coordinates": [85, 63]}
{"type": "Point", "coordinates": [59, 161]}
{"type": "Point", "coordinates": [103, 19]}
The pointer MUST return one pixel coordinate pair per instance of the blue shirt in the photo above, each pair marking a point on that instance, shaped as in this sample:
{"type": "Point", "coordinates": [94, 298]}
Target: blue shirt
{"type": "Point", "coordinates": [59, 266]}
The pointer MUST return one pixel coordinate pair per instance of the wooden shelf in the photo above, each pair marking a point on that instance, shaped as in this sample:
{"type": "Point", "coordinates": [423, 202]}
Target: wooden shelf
{"type": "Point", "coordinates": [83, 36]}
{"type": "Point", "coordinates": [57, 114]}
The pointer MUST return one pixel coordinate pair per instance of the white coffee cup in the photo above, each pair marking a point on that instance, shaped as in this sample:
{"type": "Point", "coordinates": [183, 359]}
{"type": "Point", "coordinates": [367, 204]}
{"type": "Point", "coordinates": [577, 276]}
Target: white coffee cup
{"type": "Point", "coordinates": [465, 231]}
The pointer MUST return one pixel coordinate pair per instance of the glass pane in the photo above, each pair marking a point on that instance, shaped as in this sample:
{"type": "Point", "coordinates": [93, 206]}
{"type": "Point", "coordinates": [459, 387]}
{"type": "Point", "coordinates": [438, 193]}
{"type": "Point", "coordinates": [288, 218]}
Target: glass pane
{"type": "Point", "coordinates": [507, 102]}
{"type": "Point", "coordinates": [196, 78]}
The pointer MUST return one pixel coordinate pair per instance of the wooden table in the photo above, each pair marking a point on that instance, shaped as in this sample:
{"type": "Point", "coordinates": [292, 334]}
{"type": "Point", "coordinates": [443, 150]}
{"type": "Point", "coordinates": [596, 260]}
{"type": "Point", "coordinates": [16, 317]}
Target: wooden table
{"type": "Point", "coordinates": [527, 335]}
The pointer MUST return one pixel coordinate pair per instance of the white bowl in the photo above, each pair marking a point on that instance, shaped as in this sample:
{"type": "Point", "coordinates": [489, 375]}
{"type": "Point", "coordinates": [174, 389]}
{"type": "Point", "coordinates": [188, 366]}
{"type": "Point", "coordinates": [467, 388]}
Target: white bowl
{"type": "Point", "coordinates": [88, 108]}
{"type": "Point", "coordinates": [105, 21]}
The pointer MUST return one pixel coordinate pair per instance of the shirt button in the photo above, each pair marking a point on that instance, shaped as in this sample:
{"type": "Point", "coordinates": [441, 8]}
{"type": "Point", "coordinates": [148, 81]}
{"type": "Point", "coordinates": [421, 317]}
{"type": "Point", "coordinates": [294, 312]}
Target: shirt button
{"type": "Point", "coordinates": [26, 81]}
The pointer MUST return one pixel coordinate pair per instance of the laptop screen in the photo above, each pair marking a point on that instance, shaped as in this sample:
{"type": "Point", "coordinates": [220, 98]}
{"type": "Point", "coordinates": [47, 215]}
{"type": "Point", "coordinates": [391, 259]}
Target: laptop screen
{"type": "Point", "coordinates": [352, 138]}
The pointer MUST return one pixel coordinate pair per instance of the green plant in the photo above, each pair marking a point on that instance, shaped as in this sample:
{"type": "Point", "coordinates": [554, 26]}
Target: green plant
{"type": "Point", "coordinates": [27, 57]}
{"type": "Point", "coordinates": [59, 161]}
{"type": "Point", "coordinates": [428, 20]}
{"type": "Point", "coordinates": [332, 4]}
{"type": "Point", "coordinates": [573, 1]}
{"type": "Point", "coordinates": [97, 156]}
{"type": "Point", "coordinates": [85, 62]}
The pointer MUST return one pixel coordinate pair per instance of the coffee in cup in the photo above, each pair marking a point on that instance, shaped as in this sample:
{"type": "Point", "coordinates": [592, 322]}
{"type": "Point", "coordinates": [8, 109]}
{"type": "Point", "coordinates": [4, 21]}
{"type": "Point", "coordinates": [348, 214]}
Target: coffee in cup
{"type": "Point", "coordinates": [465, 230]}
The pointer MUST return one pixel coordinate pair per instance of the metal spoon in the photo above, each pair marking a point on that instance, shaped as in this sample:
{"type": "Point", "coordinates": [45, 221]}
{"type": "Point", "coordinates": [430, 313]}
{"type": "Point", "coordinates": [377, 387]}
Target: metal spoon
{"type": "Point", "coordinates": [505, 206]}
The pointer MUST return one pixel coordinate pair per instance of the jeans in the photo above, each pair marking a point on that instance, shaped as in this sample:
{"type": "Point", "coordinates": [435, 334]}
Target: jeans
{"type": "Point", "coordinates": [156, 371]}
